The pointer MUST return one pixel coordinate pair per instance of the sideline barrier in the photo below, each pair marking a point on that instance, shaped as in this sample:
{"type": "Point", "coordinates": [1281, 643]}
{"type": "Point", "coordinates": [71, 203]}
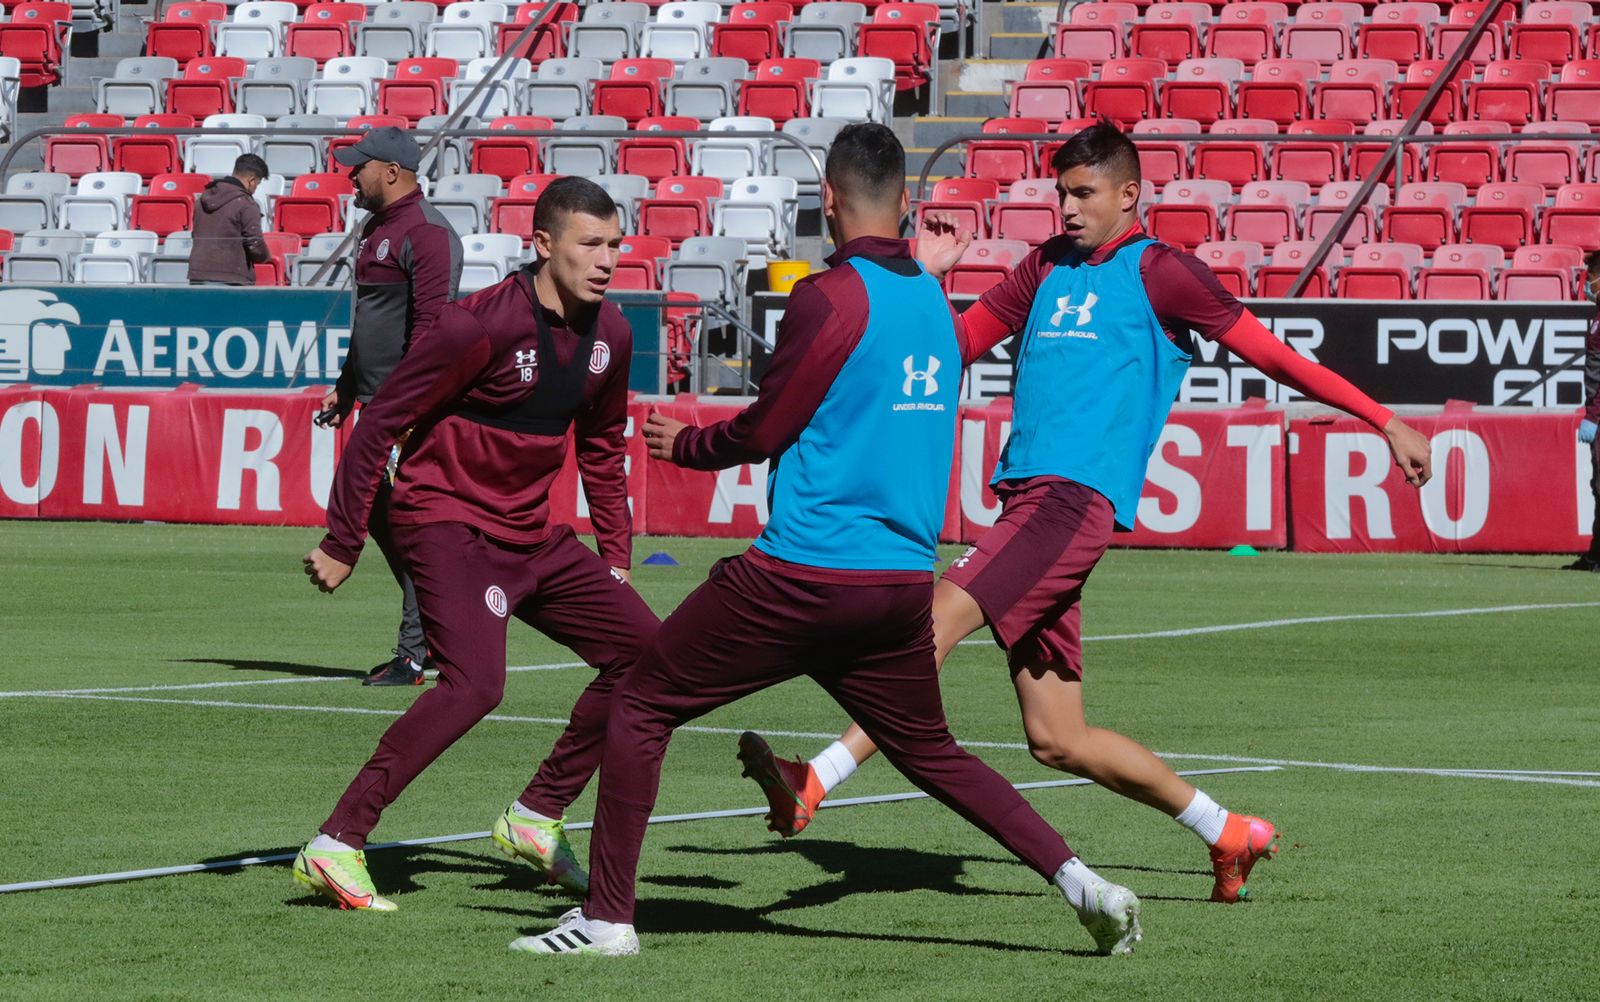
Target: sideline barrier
{"type": "Point", "coordinates": [1504, 481]}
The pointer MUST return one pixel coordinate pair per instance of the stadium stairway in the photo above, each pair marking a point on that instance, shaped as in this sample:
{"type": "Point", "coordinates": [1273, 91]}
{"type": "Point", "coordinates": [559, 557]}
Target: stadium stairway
{"type": "Point", "coordinates": [974, 90]}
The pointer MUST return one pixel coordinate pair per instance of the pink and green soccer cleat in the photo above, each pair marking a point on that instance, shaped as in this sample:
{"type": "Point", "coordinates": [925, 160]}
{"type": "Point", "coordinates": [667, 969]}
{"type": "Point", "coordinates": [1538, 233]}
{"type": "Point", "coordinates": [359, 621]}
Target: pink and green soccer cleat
{"type": "Point", "coordinates": [1245, 841]}
{"type": "Point", "coordinates": [341, 876]}
{"type": "Point", "coordinates": [545, 845]}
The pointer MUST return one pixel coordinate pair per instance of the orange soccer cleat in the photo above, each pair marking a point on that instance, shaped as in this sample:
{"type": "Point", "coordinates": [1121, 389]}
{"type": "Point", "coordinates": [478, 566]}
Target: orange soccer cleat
{"type": "Point", "coordinates": [792, 788]}
{"type": "Point", "coordinates": [1245, 840]}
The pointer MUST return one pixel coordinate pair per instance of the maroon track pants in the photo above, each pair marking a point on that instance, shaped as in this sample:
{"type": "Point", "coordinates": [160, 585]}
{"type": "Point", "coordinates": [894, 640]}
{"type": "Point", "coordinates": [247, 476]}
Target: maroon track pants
{"type": "Point", "coordinates": [467, 585]}
{"type": "Point", "coordinates": [870, 647]}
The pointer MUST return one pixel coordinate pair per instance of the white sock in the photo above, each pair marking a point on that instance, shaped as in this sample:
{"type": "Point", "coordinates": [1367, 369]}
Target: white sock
{"type": "Point", "coordinates": [327, 843]}
{"type": "Point", "coordinates": [1204, 816]}
{"type": "Point", "coordinates": [1076, 881]}
{"type": "Point", "coordinates": [834, 765]}
{"type": "Point", "coordinates": [524, 812]}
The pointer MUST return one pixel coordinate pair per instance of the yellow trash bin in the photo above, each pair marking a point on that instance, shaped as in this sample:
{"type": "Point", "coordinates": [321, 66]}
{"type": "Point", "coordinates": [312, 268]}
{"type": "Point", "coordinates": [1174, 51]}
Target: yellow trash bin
{"type": "Point", "coordinates": [782, 275]}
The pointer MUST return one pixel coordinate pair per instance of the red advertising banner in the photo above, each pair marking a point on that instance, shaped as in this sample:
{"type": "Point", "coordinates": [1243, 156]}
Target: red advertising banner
{"type": "Point", "coordinates": [1502, 482]}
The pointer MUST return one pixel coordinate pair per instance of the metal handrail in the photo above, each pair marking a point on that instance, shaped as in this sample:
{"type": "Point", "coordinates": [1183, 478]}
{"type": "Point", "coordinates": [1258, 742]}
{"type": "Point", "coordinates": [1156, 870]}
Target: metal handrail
{"type": "Point", "coordinates": [1420, 112]}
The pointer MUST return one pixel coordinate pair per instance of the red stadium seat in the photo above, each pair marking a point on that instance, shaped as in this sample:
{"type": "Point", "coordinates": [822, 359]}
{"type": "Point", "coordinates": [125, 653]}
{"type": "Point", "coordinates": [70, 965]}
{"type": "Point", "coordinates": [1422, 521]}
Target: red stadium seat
{"type": "Point", "coordinates": [1232, 261]}
{"type": "Point", "coordinates": [1277, 89]}
{"type": "Point", "coordinates": [1448, 37]}
{"type": "Point", "coordinates": [1365, 157]}
{"type": "Point", "coordinates": [1550, 164]}
{"type": "Point", "coordinates": [1549, 31]}
{"type": "Point", "coordinates": [1275, 278]}
{"type": "Point", "coordinates": [1424, 213]}
{"type": "Point", "coordinates": [149, 156]}
{"type": "Point", "coordinates": [1534, 285]}
{"type": "Point", "coordinates": [76, 156]}
{"type": "Point", "coordinates": [1004, 160]}
{"type": "Point", "coordinates": [751, 31]}
{"type": "Point", "coordinates": [1575, 97]}
{"type": "Point", "coordinates": [1332, 201]}
{"type": "Point", "coordinates": [1471, 164]}
{"type": "Point", "coordinates": [417, 89]}
{"type": "Point", "coordinates": [1186, 216]}
{"type": "Point", "coordinates": [779, 89]}
{"type": "Point", "coordinates": [983, 265]}
{"type": "Point", "coordinates": [1267, 212]}
{"type": "Point", "coordinates": [1468, 255]}
{"type": "Point", "coordinates": [1247, 30]}
{"type": "Point", "coordinates": [1452, 283]}
{"type": "Point", "coordinates": [36, 37]}
{"type": "Point", "coordinates": [966, 201]}
{"type": "Point", "coordinates": [169, 206]}
{"type": "Point", "coordinates": [639, 263]}
{"type": "Point", "coordinates": [657, 158]}
{"type": "Point", "coordinates": [1094, 31]}
{"type": "Point", "coordinates": [902, 32]}
{"type": "Point", "coordinates": [1509, 91]}
{"type": "Point", "coordinates": [312, 206]}
{"type": "Point", "coordinates": [1170, 32]}
{"type": "Point", "coordinates": [184, 31]}
{"type": "Point", "coordinates": [680, 208]}
{"type": "Point", "coordinates": [507, 157]}
{"type": "Point", "coordinates": [1407, 94]}
{"type": "Point", "coordinates": [1201, 89]}
{"type": "Point", "coordinates": [327, 31]}
{"type": "Point", "coordinates": [1321, 31]}
{"type": "Point", "coordinates": [1310, 160]}
{"type": "Point", "coordinates": [1048, 90]}
{"type": "Point", "coordinates": [1356, 90]}
{"type": "Point", "coordinates": [1397, 31]}
{"type": "Point", "coordinates": [1574, 218]}
{"type": "Point", "coordinates": [1031, 212]}
{"type": "Point", "coordinates": [513, 212]}
{"type": "Point", "coordinates": [1239, 162]}
{"type": "Point", "coordinates": [549, 40]}
{"type": "Point", "coordinates": [1125, 92]}
{"type": "Point", "coordinates": [1502, 215]}
{"type": "Point", "coordinates": [206, 87]}
{"type": "Point", "coordinates": [634, 89]}
{"type": "Point", "coordinates": [1162, 160]}
{"type": "Point", "coordinates": [1379, 271]}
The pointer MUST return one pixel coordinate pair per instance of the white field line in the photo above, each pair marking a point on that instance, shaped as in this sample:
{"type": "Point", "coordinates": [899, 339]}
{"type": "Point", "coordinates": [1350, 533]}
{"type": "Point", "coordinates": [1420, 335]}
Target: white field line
{"type": "Point", "coordinates": [660, 819]}
{"type": "Point", "coordinates": [1268, 624]}
{"type": "Point", "coordinates": [1157, 635]}
{"type": "Point", "coordinates": [1561, 778]}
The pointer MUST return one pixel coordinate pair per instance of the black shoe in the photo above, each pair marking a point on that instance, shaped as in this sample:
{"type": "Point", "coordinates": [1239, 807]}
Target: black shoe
{"type": "Point", "coordinates": [399, 671]}
{"type": "Point", "coordinates": [1583, 563]}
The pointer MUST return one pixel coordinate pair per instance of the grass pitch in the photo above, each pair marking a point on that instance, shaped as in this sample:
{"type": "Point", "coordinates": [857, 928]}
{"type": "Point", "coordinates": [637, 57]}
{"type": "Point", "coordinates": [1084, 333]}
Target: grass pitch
{"type": "Point", "coordinates": [1391, 884]}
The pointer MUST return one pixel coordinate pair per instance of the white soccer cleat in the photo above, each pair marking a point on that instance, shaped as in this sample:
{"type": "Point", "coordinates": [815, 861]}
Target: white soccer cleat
{"type": "Point", "coordinates": [1111, 914]}
{"type": "Point", "coordinates": [576, 934]}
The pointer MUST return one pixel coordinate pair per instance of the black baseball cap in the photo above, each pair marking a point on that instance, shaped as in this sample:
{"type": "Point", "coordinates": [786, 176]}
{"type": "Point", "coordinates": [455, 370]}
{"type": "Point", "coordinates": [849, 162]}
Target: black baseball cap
{"type": "Point", "coordinates": [389, 144]}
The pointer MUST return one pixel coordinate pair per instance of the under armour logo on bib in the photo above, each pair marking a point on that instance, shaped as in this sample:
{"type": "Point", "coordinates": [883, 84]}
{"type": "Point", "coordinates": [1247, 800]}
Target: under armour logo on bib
{"type": "Point", "coordinates": [914, 375]}
{"type": "Point", "coordinates": [1064, 306]}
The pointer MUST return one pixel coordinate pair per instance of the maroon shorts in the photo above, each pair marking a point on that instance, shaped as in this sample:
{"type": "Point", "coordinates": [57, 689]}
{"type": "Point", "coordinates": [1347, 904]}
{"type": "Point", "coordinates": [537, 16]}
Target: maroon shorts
{"type": "Point", "coordinates": [1027, 572]}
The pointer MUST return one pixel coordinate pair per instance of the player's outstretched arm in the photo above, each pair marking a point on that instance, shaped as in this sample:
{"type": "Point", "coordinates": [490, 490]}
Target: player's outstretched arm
{"type": "Point", "coordinates": [1251, 341]}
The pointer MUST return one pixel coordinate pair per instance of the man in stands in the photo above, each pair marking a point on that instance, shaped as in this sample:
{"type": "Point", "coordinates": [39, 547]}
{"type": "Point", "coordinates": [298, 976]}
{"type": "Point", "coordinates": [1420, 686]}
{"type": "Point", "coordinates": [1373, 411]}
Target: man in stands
{"type": "Point", "coordinates": [1590, 561]}
{"type": "Point", "coordinates": [408, 265]}
{"type": "Point", "coordinates": [488, 395]}
{"type": "Point", "coordinates": [227, 227]}
{"type": "Point", "coordinates": [857, 411]}
{"type": "Point", "coordinates": [1105, 314]}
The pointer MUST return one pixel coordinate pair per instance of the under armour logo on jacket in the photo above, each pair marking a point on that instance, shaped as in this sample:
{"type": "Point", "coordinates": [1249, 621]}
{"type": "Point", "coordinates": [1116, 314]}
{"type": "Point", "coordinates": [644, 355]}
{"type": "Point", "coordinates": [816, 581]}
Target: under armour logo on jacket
{"type": "Point", "coordinates": [1064, 306]}
{"type": "Point", "coordinates": [930, 386]}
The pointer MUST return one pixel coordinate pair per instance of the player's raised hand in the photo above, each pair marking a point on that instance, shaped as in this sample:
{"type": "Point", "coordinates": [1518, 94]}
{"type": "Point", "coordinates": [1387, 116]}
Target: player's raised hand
{"type": "Point", "coordinates": [324, 571]}
{"type": "Point", "coordinates": [1412, 453]}
{"type": "Point", "coordinates": [941, 243]}
{"type": "Point", "coordinates": [660, 432]}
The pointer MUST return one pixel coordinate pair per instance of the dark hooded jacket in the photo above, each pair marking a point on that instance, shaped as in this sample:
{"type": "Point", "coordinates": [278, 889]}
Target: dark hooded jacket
{"type": "Point", "coordinates": [227, 235]}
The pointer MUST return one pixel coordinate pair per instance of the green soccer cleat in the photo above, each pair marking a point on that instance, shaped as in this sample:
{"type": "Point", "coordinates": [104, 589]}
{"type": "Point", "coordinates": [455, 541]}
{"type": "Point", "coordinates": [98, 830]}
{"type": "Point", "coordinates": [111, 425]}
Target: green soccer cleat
{"type": "Point", "coordinates": [545, 845]}
{"type": "Point", "coordinates": [1111, 915]}
{"type": "Point", "coordinates": [341, 876]}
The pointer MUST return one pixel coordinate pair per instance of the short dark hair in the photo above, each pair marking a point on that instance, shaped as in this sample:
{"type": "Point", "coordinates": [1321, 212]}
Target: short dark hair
{"type": "Point", "coordinates": [1102, 146]}
{"type": "Point", "coordinates": [1591, 260]}
{"type": "Point", "coordinates": [566, 195]}
{"type": "Point", "coordinates": [250, 165]}
{"type": "Point", "coordinates": [867, 162]}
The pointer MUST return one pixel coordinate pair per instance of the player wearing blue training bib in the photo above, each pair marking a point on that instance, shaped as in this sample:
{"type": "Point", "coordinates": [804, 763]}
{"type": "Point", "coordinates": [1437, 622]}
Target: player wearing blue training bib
{"type": "Point", "coordinates": [1104, 315]}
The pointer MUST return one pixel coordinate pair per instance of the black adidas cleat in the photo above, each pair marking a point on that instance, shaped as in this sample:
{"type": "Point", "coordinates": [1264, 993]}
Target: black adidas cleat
{"type": "Point", "coordinates": [401, 670]}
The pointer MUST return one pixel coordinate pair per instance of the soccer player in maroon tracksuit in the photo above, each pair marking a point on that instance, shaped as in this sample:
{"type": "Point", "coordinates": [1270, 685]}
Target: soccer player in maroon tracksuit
{"type": "Point", "coordinates": [1104, 313]}
{"type": "Point", "coordinates": [490, 391]}
{"type": "Point", "coordinates": [858, 412]}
